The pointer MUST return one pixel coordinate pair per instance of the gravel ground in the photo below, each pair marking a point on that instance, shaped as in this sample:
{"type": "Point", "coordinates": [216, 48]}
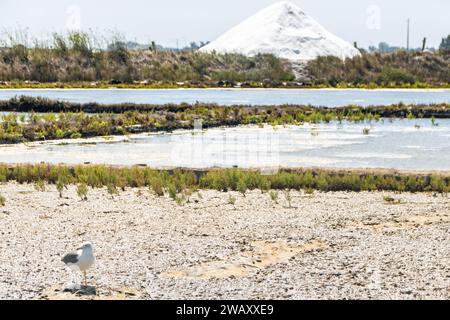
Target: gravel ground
{"type": "Point", "coordinates": [326, 246]}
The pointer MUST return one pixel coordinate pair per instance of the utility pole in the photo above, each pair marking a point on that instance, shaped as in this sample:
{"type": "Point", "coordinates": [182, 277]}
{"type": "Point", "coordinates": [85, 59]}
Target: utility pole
{"type": "Point", "coordinates": [407, 35]}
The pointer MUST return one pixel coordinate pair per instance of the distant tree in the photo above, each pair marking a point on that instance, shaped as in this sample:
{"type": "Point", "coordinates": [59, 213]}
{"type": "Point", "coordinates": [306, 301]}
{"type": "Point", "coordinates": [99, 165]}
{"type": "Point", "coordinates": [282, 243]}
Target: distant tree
{"type": "Point", "coordinates": [193, 46]}
{"type": "Point", "coordinates": [445, 44]}
{"type": "Point", "coordinates": [383, 47]}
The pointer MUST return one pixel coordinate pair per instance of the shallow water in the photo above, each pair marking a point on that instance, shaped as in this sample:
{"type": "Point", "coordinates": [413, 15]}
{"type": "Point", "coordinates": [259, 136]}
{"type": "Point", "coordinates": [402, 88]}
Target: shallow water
{"type": "Point", "coordinates": [325, 97]}
{"type": "Point", "coordinates": [398, 144]}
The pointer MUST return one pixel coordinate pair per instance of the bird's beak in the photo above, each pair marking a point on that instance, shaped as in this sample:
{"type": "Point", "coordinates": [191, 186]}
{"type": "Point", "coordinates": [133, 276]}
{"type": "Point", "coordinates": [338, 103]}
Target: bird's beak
{"type": "Point", "coordinates": [80, 248]}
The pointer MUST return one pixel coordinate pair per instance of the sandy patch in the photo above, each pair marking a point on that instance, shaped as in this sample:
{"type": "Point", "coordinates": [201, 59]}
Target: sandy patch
{"type": "Point", "coordinates": [404, 223]}
{"type": "Point", "coordinates": [58, 293]}
{"type": "Point", "coordinates": [262, 255]}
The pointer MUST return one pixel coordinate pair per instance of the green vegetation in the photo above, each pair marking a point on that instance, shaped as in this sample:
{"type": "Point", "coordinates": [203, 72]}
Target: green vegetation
{"type": "Point", "coordinates": [391, 200]}
{"type": "Point", "coordinates": [399, 69]}
{"type": "Point", "coordinates": [274, 196]}
{"type": "Point", "coordinates": [288, 197]}
{"type": "Point", "coordinates": [176, 182]}
{"type": "Point", "coordinates": [445, 44]}
{"type": "Point", "coordinates": [80, 60]}
{"type": "Point", "coordinates": [61, 185]}
{"type": "Point", "coordinates": [112, 190]}
{"type": "Point", "coordinates": [76, 58]}
{"type": "Point", "coordinates": [62, 120]}
{"type": "Point", "coordinates": [40, 185]}
{"type": "Point", "coordinates": [82, 190]}
{"type": "Point", "coordinates": [231, 200]}
{"type": "Point", "coordinates": [2, 201]}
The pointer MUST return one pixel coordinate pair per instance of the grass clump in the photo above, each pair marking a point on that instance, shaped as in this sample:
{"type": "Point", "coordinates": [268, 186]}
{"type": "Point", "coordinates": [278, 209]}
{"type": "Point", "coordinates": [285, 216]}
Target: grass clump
{"type": "Point", "coordinates": [2, 201]}
{"type": "Point", "coordinates": [82, 191]}
{"type": "Point", "coordinates": [61, 185]}
{"type": "Point", "coordinates": [40, 186]}
{"type": "Point", "coordinates": [391, 200]}
{"type": "Point", "coordinates": [288, 197]}
{"type": "Point", "coordinates": [274, 196]}
{"type": "Point", "coordinates": [112, 190]}
{"type": "Point", "coordinates": [232, 200]}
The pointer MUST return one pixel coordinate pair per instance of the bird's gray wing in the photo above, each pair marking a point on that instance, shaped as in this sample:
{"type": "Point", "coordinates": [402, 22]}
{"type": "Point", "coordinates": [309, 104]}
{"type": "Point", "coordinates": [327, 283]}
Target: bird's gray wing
{"type": "Point", "coordinates": [71, 257]}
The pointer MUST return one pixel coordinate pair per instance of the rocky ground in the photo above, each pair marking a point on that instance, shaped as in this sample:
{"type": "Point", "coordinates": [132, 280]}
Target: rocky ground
{"type": "Point", "coordinates": [326, 246]}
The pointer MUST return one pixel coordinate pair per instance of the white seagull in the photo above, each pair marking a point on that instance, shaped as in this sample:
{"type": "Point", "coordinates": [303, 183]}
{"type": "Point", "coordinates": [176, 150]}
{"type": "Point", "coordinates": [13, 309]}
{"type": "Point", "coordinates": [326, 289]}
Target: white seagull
{"type": "Point", "coordinates": [81, 260]}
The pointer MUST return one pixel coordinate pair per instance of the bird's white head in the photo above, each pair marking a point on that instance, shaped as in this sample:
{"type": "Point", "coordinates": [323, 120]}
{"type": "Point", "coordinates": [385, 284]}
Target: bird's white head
{"type": "Point", "coordinates": [86, 246]}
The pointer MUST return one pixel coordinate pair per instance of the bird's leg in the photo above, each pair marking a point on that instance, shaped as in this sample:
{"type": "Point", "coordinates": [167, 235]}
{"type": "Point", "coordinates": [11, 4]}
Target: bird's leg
{"type": "Point", "coordinates": [85, 279]}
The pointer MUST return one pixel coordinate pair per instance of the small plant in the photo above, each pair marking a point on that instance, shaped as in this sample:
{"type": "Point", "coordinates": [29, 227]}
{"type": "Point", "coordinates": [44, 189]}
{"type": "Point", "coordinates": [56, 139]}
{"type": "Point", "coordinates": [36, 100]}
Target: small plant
{"type": "Point", "coordinates": [2, 201]}
{"type": "Point", "coordinates": [60, 186]}
{"type": "Point", "coordinates": [39, 185]}
{"type": "Point", "coordinates": [390, 200]}
{"type": "Point", "coordinates": [417, 126]}
{"type": "Point", "coordinates": [274, 196]}
{"type": "Point", "coordinates": [180, 199]}
{"type": "Point", "coordinates": [112, 190]}
{"type": "Point", "coordinates": [366, 131]}
{"type": "Point", "coordinates": [188, 194]}
{"type": "Point", "coordinates": [82, 191]}
{"type": "Point", "coordinates": [433, 122]}
{"type": "Point", "coordinates": [288, 197]}
{"type": "Point", "coordinates": [156, 185]}
{"type": "Point", "coordinates": [172, 190]}
{"type": "Point", "coordinates": [231, 200]}
{"type": "Point", "coordinates": [309, 191]}
{"type": "Point", "coordinates": [410, 116]}
{"type": "Point", "coordinates": [242, 187]}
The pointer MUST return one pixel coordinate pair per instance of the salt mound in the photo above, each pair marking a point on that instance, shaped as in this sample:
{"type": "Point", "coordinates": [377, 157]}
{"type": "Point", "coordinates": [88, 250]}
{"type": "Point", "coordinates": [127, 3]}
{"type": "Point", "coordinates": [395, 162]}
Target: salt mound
{"type": "Point", "coordinates": [284, 30]}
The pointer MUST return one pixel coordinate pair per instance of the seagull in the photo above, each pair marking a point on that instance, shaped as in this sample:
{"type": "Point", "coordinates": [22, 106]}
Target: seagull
{"type": "Point", "coordinates": [81, 260]}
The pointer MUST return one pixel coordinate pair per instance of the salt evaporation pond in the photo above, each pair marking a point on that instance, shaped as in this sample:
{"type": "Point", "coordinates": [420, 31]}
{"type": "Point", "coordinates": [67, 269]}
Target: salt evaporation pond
{"type": "Point", "coordinates": [400, 144]}
{"type": "Point", "coordinates": [319, 97]}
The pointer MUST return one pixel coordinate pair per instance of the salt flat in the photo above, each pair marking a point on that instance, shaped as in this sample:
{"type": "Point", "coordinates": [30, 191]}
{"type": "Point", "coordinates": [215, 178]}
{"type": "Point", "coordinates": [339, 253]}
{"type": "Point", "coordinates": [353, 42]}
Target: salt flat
{"type": "Point", "coordinates": [327, 246]}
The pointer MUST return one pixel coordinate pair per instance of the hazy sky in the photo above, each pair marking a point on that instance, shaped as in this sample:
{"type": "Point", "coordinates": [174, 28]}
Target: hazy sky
{"type": "Point", "coordinates": [365, 21]}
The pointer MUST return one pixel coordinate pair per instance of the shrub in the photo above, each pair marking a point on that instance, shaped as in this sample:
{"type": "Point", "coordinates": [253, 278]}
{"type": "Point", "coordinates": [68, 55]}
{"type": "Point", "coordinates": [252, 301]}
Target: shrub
{"type": "Point", "coordinates": [274, 196]}
{"type": "Point", "coordinates": [40, 185]}
{"type": "Point", "coordinates": [288, 197]}
{"type": "Point", "coordinates": [172, 190]}
{"type": "Point", "coordinates": [82, 191]}
{"type": "Point", "coordinates": [231, 200]}
{"type": "Point", "coordinates": [112, 190]}
{"type": "Point", "coordinates": [61, 184]}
